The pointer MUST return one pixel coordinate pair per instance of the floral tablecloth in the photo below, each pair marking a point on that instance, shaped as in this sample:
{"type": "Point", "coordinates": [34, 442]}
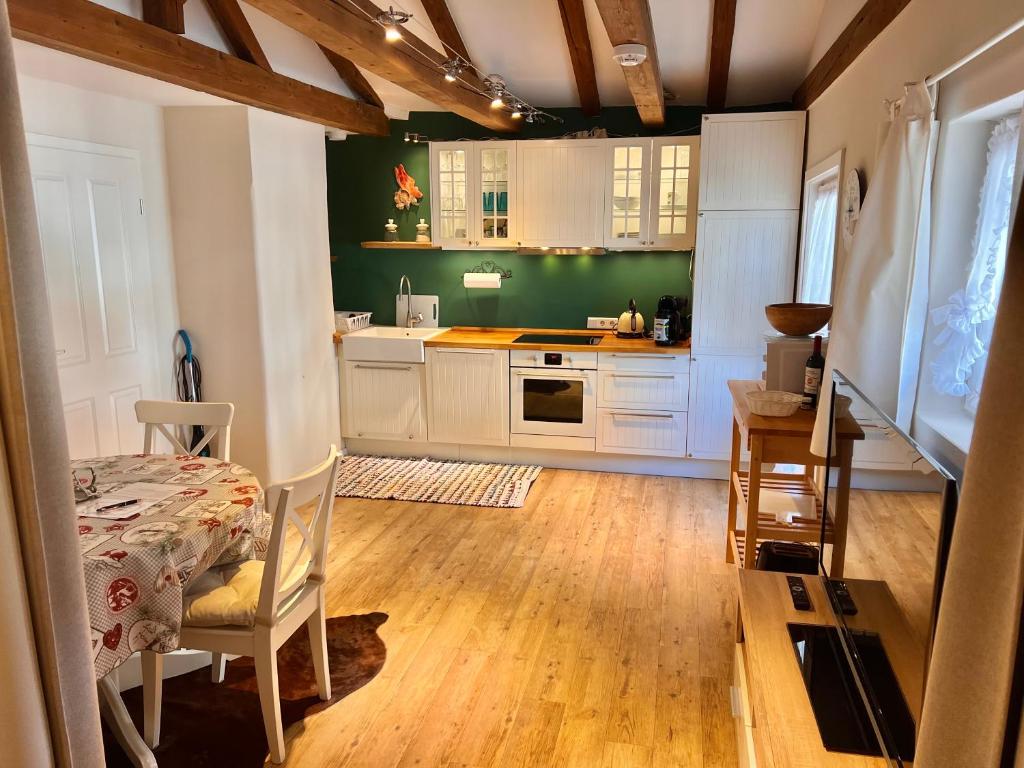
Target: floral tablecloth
{"type": "Point", "coordinates": [137, 569]}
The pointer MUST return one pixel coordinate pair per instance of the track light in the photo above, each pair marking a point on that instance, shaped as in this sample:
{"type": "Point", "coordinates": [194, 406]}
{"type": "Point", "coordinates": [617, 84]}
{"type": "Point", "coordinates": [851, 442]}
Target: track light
{"type": "Point", "coordinates": [495, 85]}
{"type": "Point", "coordinates": [452, 68]}
{"type": "Point", "coordinates": [392, 20]}
{"type": "Point", "coordinates": [415, 138]}
{"type": "Point", "coordinates": [517, 110]}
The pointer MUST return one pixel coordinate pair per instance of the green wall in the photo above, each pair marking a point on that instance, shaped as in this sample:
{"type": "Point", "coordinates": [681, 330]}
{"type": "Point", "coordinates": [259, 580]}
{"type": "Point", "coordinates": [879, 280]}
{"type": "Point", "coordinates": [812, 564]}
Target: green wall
{"type": "Point", "coordinates": [544, 292]}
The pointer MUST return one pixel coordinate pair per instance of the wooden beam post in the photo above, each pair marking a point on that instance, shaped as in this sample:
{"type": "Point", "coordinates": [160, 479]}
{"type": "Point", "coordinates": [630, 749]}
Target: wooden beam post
{"type": "Point", "coordinates": [723, 22]}
{"type": "Point", "coordinates": [93, 32]}
{"type": "Point", "coordinates": [574, 21]}
{"type": "Point", "coordinates": [869, 22]}
{"type": "Point", "coordinates": [239, 33]}
{"type": "Point", "coordinates": [629, 21]}
{"type": "Point", "coordinates": [444, 25]}
{"type": "Point", "coordinates": [353, 78]}
{"type": "Point", "coordinates": [349, 29]}
{"type": "Point", "coordinates": [166, 14]}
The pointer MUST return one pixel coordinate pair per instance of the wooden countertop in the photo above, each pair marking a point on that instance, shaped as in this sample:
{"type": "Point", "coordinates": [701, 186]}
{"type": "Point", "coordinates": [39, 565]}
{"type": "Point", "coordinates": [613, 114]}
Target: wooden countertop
{"type": "Point", "coordinates": [800, 424]}
{"type": "Point", "coordinates": [504, 338]}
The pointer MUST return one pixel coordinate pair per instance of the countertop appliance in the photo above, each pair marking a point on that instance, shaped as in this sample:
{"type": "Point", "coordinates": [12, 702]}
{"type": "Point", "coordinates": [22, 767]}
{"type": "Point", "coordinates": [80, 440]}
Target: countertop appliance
{"type": "Point", "coordinates": [668, 321]}
{"type": "Point", "coordinates": [785, 358]}
{"type": "Point", "coordinates": [553, 399]}
{"type": "Point", "coordinates": [631, 323]}
{"type": "Point", "coordinates": [556, 338]}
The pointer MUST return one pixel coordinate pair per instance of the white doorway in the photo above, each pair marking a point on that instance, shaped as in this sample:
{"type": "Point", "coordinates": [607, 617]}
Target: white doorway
{"type": "Point", "coordinates": [90, 210]}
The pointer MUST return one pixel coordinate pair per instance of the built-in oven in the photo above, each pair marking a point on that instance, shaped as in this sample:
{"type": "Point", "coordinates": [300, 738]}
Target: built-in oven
{"type": "Point", "coordinates": [553, 395]}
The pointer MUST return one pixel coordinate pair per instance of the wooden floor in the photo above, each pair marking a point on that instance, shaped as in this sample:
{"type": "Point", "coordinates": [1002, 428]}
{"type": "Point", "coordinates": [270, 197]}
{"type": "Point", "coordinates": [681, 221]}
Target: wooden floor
{"type": "Point", "coordinates": [591, 628]}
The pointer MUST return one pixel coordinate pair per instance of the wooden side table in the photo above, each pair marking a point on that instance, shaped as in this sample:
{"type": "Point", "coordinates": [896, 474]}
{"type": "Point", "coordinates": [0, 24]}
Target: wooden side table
{"type": "Point", "coordinates": [783, 506]}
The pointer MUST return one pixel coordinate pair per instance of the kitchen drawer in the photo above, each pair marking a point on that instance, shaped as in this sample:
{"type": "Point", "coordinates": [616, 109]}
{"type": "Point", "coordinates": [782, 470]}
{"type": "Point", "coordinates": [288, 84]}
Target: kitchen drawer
{"type": "Point", "coordinates": [644, 433]}
{"type": "Point", "coordinates": [634, 361]}
{"type": "Point", "coordinates": [643, 390]}
{"type": "Point", "coordinates": [534, 358]}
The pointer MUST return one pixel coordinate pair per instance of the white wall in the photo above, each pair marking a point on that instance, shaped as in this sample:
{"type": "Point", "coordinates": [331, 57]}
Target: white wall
{"type": "Point", "coordinates": [55, 109]}
{"type": "Point", "coordinates": [249, 203]}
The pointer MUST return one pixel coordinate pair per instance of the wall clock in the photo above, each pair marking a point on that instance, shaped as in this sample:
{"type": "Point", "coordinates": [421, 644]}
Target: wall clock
{"type": "Point", "coordinates": [851, 207]}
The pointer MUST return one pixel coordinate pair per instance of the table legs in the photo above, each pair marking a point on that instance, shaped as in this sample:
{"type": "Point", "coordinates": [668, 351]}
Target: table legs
{"type": "Point", "coordinates": [734, 467]}
{"type": "Point", "coordinates": [840, 516]}
{"type": "Point", "coordinates": [152, 696]}
{"type": "Point", "coordinates": [753, 501]}
{"type": "Point", "coordinates": [120, 723]}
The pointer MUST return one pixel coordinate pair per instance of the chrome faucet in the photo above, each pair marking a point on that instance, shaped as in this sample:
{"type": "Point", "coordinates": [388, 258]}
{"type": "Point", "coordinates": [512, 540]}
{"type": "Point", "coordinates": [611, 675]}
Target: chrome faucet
{"type": "Point", "coordinates": [411, 320]}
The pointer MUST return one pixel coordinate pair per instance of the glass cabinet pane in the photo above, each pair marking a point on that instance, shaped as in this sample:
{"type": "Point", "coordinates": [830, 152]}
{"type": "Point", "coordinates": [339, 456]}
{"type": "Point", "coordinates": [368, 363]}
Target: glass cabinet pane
{"type": "Point", "coordinates": [673, 189]}
{"type": "Point", "coordinates": [452, 176]}
{"type": "Point", "coordinates": [494, 193]}
{"type": "Point", "coordinates": [627, 191]}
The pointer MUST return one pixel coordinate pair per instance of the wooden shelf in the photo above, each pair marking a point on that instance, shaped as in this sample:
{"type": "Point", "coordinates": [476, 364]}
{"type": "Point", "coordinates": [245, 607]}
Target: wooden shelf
{"type": "Point", "coordinates": [404, 245]}
{"type": "Point", "coordinates": [799, 528]}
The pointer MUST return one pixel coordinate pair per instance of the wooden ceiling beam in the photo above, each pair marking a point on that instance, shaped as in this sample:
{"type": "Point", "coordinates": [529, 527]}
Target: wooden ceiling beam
{"type": "Point", "coordinates": [869, 22]}
{"type": "Point", "coordinates": [236, 29]}
{"type": "Point", "coordinates": [93, 32]}
{"type": "Point", "coordinates": [444, 25]}
{"type": "Point", "coordinates": [166, 14]}
{"type": "Point", "coordinates": [723, 23]}
{"type": "Point", "coordinates": [350, 29]}
{"type": "Point", "coordinates": [353, 78]}
{"type": "Point", "coordinates": [629, 21]}
{"type": "Point", "coordinates": [577, 36]}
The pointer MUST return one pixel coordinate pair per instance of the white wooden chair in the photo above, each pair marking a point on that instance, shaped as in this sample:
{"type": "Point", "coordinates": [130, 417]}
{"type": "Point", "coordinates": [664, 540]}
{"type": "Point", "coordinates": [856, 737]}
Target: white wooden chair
{"type": "Point", "coordinates": [252, 608]}
{"type": "Point", "coordinates": [157, 415]}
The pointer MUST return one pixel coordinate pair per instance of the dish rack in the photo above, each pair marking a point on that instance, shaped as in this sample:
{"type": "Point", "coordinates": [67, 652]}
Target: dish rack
{"type": "Point", "coordinates": [346, 322]}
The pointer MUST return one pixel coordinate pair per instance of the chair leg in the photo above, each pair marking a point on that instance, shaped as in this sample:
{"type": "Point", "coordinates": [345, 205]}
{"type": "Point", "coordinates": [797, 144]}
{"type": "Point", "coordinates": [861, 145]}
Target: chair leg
{"type": "Point", "coordinates": [152, 694]}
{"type": "Point", "coordinates": [270, 701]}
{"type": "Point", "coordinates": [217, 668]}
{"type": "Point", "coordinates": [317, 626]}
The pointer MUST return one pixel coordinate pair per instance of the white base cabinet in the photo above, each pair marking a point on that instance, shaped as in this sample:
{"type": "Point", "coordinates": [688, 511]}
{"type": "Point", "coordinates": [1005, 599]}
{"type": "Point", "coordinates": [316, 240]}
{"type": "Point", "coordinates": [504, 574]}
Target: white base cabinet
{"type": "Point", "coordinates": [385, 401]}
{"type": "Point", "coordinates": [710, 423]}
{"type": "Point", "coordinates": [468, 393]}
{"type": "Point", "coordinates": [648, 433]}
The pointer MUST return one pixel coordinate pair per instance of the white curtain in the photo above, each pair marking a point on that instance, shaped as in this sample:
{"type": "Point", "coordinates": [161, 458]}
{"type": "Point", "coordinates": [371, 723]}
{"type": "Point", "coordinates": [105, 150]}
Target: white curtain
{"type": "Point", "coordinates": [968, 316]}
{"type": "Point", "coordinates": [819, 252]}
{"type": "Point", "coordinates": [881, 300]}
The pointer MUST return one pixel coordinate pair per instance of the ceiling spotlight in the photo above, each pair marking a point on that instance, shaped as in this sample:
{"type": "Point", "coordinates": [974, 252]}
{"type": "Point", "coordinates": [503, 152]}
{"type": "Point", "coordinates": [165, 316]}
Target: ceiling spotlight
{"type": "Point", "coordinates": [495, 85]}
{"type": "Point", "coordinates": [452, 68]}
{"type": "Point", "coordinates": [497, 103]}
{"type": "Point", "coordinates": [517, 110]}
{"type": "Point", "coordinates": [630, 54]}
{"type": "Point", "coordinates": [391, 20]}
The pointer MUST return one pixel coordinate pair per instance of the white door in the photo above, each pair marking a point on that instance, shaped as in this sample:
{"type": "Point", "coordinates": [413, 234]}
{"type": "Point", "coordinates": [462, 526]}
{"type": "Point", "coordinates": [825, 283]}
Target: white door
{"type": "Point", "coordinates": [561, 192]}
{"type": "Point", "coordinates": [744, 260]}
{"type": "Point", "coordinates": [627, 193]}
{"type": "Point", "coordinates": [495, 204]}
{"type": "Point", "coordinates": [751, 161]}
{"type": "Point", "coordinates": [709, 423]}
{"type": "Point", "coordinates": [89, 206]}
{"type": "Point", "coordinates": [673, 205]}
{"type": "Point", "coordinates": [451, 181]}
{"type": "Point", "coordinates": [385, 401]}
{"type": "Point", "coordinates": [468, 391]}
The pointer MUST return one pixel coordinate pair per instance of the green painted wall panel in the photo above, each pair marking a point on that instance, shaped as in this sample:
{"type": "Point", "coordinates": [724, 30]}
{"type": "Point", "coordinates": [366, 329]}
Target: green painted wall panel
{"type": "Point", "coordinates": [545, 291]}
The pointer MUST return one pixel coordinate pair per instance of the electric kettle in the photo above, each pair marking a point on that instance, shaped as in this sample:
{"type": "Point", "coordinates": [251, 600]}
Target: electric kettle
{"type": "Point", "coordinates": [631, 323]}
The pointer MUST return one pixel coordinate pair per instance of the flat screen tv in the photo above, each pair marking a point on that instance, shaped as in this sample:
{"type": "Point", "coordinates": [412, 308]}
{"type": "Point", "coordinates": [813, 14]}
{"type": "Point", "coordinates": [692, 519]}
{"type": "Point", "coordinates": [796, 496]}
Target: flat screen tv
{"type": "Point", "coordinates": [899, 520]}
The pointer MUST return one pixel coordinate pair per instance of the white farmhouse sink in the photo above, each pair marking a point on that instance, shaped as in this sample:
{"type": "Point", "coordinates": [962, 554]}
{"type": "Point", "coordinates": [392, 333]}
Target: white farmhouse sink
{"type": "Point", "coordinates": [386, 344]}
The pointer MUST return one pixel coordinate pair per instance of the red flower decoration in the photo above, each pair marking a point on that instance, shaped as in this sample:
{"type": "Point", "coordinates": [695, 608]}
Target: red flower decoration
{"type": "Point", "coordinates": [247, 502]}
{"type": "Point", "coordinates": [210, 523]}
{"type": "Point", "coordinates": [228, 480]}
{"type": "Point", "coordinates": [84, 529]}
{"type": "Point", "coordinates": [245, 490]}
{"type": "Point", "coordinates": [191, 467]}
{"type": "Point", "coordinates": [192, 493]}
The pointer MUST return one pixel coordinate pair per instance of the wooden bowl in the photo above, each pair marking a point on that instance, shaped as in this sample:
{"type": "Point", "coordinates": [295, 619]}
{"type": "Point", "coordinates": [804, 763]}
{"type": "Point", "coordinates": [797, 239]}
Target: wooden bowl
{"type": "Point", "coordinates": [798, 319]}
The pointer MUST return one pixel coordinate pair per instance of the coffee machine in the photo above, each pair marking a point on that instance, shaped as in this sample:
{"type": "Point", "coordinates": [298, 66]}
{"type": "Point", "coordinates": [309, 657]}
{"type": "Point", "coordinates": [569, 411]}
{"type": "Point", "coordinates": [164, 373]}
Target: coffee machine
{"type": "Point", "coordinates": [670, 327]}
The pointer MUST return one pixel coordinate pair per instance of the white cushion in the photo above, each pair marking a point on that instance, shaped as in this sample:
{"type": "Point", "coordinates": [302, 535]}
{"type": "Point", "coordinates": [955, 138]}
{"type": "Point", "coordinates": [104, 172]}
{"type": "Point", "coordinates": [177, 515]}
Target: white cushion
{"type": "Point", "coordinates": [227, 595]}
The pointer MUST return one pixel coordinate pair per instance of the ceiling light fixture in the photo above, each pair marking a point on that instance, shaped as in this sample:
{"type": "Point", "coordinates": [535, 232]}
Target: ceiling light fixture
{"type": "Point", "coordinates": [630, 54]}
{"type": "Point", "coordinates": [496, 88]}
{"type": "Point", "coordinates": [452, 68]}
{"type": "Point", "coordinates": [517, 109]}
{"type": "Point", "coordinates": [415, 138]}
{"type": "Point", "coordinates": [392, 20]}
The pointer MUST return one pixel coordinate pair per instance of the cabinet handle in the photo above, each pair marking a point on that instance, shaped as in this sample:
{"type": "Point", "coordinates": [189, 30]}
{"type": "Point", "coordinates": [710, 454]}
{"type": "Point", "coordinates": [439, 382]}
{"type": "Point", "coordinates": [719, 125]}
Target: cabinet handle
{"type": "Point", "coordinates": [453, 351]}
{"type": "Point", "coordinates": [640, 376]}
{"type": "Point", "coordinates": [643, 415]}
{"type": "Point", "coordinates": [632, 356]}
{"type": "Point", "coordinates": [385, 367]}
{"type": "Point", "coordinates": [560, 376]}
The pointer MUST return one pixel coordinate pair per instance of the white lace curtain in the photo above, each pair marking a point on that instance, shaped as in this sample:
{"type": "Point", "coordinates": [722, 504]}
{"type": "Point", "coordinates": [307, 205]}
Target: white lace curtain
{"type": "Point", "coordinates": [969, 313]}
{"type": "Point", "coordinates": [816, 274]}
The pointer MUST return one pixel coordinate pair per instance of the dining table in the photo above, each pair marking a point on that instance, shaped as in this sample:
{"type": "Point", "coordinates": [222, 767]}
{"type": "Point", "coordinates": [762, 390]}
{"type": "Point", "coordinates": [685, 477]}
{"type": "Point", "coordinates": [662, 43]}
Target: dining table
{"type": "Point", "coordinates": [138, 567]}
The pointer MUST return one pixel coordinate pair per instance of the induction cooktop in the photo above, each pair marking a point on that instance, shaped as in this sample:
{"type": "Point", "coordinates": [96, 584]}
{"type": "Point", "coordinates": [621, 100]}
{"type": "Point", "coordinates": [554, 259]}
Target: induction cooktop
{"type": "Point", "coordinates": [556, 338]}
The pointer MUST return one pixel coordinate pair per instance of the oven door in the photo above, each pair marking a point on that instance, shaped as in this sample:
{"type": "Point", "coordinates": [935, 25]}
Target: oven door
{"type": "Point", "coordinates": [554, 402]}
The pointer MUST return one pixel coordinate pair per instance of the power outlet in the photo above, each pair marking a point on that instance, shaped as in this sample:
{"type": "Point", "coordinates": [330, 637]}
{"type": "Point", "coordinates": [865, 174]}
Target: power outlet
{"type": "Point", "coordinates": [602, 323]}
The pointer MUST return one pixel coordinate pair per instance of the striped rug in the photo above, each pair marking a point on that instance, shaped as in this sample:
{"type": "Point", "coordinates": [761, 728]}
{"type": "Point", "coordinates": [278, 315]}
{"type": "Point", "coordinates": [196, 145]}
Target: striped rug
{"type": "Point", "coordinates": [442, 482]}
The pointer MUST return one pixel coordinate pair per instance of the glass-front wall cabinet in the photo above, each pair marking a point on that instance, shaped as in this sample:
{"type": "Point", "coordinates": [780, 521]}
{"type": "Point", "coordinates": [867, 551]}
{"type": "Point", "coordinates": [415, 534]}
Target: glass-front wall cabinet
{"type": "Point", "coordinates": [627, 194]}
{"type": "Point", "coordinates": [495, 163]}
{"type": "Point", "coordinates": [451, 211]}
{"type": "Point", "coordinates": [674, 192]}
{"type": "Point", "coordinates": [473, 194]}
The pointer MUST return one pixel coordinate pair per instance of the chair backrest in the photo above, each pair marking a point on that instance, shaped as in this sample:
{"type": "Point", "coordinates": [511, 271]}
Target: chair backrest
{"type": "Point", "coordinates": [306, 558]}
{"type": "Point", "coordinates": [157, 415]}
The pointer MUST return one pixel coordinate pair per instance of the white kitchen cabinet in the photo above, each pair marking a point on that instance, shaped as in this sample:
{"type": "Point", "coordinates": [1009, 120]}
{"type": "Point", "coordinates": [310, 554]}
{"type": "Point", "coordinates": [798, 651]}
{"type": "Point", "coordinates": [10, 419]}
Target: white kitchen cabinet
{"type": "Point", "coordinates": [709, 428]}
{"type": "Point", "coordinates": [651, 193]}
{"type": "Point", "coordinates": [561, 192]}
{"type": "Point", "coordinates": [468, 395]}
{"type": "Point", "coordinates": [744, 260]}
{"type": "Point", "coordinates": [648, 433]}
{"type": "Point", "coordinates": [474, 194]}
{"type": "Point", "coordinates": [385, 401]}
{"type": "Point", "coordinates": [751, 161]}
{"type": "Point", "coordinates": [643, 390]}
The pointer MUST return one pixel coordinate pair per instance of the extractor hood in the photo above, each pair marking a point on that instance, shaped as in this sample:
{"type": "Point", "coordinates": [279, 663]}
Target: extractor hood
{"type": "Point", "coordinates": [553, 251]}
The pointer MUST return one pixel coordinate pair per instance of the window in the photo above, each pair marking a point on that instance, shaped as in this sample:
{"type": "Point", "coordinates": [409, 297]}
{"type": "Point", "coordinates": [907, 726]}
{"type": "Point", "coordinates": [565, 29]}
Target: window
{"type": "Point", "coordinates": [818, 244]}
{"type": "Point", "coordinates": [968, 316]}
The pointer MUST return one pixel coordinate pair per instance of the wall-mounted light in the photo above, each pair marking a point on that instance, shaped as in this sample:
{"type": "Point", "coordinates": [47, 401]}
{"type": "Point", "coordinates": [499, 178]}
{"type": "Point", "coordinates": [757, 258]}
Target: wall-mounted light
{"type": "Point", "coordinates": [414, 138]}
{"type": "Point", "coordinates": [392, 20]}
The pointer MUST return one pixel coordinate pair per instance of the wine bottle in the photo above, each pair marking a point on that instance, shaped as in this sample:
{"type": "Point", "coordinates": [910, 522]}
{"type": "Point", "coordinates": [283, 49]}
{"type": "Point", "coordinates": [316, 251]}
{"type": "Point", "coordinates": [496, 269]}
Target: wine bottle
{"type": "Point", "coordinates": [813, 371]}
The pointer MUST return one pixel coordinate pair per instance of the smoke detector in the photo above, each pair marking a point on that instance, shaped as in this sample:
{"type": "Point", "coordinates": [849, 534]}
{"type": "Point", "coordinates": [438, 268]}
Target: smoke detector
{"type": "Point", "coordinates": [630, 54]}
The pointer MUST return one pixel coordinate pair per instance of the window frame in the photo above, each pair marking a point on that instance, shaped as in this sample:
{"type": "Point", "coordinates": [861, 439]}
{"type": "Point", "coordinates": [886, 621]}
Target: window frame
{"type": "Point", "coordinates": [832, 166]}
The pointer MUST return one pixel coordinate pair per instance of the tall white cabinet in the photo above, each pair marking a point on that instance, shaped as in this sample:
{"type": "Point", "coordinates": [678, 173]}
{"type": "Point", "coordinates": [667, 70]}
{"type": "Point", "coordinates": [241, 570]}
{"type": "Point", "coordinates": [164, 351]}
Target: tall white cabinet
{"type": "Point", "coordinates": [745, 258]}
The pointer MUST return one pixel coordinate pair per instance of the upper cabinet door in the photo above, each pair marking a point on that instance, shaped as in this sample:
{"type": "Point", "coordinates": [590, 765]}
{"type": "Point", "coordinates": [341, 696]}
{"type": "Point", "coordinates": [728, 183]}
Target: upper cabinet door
{"type": "Point", "coordinates": [452, 183]}
{"type": "Point", "coordinates": [751, 161]}
{"type": "Point", "coordinates": [627, 194]}
{"type": "Point", "coordinates": [673, 206]}
{"type": "Point", "coordinates": [495, 201]}
{"type": "Point", "coordinates": [561, 192]}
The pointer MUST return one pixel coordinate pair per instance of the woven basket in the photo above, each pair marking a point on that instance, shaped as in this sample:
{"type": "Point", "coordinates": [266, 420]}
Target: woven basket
{"type": "Point", "coordinates": [774, 403]}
